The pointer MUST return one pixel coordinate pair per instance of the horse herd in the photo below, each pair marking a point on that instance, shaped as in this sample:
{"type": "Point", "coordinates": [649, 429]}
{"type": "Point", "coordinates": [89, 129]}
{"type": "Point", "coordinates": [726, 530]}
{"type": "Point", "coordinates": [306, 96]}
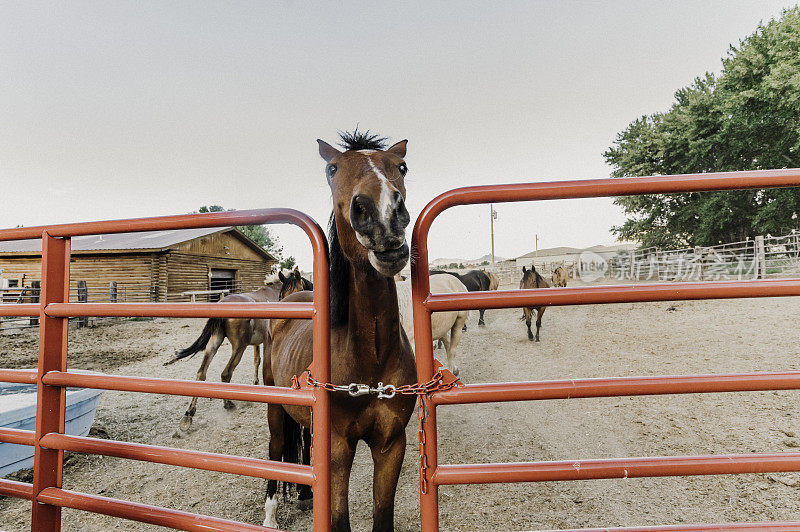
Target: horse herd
{"type": "Point", "coordinates": [371, 328]}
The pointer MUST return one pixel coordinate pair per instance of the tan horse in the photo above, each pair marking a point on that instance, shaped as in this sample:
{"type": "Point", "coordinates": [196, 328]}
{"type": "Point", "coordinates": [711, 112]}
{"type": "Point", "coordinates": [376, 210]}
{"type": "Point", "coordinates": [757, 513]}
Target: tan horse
{"type": "Point", "coordinates": [445, 326]}
{"type": "Point", "coordinates": [559, 276]}
{"type": "Point", "coordinates": [240, 332]}
{"type": "Point", "coordinates": [367, 248]}
{"type": "Point", "coordinates": [494, 282]}
{"type": "Point", "coordinates": [532, 279]}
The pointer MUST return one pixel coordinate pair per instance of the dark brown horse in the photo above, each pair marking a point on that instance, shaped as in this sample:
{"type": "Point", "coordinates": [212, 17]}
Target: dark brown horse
{"type": "Point", "coordinates": [367, 248]}
{"type": "Point", "coordinates": [475, 281]}
{"type": "Point", "coordinates": [532, 279]}
{"type": "Point", "coordinates": [240, 332]}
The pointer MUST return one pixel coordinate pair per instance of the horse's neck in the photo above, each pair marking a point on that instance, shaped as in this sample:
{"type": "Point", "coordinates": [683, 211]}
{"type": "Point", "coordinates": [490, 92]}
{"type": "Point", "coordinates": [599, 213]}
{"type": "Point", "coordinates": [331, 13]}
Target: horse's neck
{"type": "Point", "coordinates": [373, 323]}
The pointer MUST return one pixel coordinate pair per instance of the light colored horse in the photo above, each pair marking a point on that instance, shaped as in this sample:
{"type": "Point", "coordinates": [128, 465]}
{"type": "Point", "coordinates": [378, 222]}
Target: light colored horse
{"type": "Point", "coordinates": [445, 326]}
{"type": "Point", "coordinates": [559, 276]}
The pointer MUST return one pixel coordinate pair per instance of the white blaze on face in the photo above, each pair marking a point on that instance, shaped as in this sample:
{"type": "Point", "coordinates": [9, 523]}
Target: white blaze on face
{"type": "Point", "coordinates": [270, 512]}
{"type": "Point", "coordinates": [385, 201]}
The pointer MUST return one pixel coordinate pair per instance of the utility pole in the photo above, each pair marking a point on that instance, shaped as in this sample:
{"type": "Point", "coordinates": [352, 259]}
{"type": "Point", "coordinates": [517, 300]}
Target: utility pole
{"type": "Point", "coordinates": [492, 216]}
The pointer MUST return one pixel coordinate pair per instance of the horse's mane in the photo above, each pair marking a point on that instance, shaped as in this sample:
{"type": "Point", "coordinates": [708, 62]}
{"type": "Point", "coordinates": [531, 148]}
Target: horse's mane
{"type": "Point", "coordinates": [358, 140]}
{"type": "Point", "coordinates": [339, 277]}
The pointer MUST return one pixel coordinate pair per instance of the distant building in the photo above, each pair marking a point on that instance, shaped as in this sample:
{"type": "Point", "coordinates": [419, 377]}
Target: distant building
{"type": "Point", "coordinates": [146, 266]}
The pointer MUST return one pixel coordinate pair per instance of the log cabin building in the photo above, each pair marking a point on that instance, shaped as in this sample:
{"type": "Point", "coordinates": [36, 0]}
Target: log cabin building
{"type": "Point", "coordinates": [146, 266]}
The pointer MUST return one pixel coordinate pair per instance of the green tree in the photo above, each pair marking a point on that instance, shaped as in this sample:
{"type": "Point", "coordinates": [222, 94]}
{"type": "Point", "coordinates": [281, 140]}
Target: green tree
{"type": "Point", "coordinates": [747, 118]}
{"type": "Point", "coordinates": [258, 234]}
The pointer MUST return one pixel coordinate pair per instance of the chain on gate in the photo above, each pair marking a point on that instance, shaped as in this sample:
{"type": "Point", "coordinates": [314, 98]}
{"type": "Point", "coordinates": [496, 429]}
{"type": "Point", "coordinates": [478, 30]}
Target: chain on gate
{"type": "Point", "coordinates": [442, 380]}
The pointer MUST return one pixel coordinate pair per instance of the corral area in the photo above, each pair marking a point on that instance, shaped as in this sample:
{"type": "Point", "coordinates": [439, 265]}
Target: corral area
{"type": "Point", "coordinates": [587, 341]}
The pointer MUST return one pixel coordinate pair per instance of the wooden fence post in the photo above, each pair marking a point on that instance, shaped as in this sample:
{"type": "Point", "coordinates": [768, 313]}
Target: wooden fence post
{"type": "Point", "coordinates": [761, 258]}
{"type": "Point", "coordinates": [36, 289]}
{"type": "Point", "coordinates": [83, 297]}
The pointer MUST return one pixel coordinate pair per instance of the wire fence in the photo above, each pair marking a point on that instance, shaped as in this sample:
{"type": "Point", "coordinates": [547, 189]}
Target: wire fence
{"type": "Point", "coordinates": [758, 258]}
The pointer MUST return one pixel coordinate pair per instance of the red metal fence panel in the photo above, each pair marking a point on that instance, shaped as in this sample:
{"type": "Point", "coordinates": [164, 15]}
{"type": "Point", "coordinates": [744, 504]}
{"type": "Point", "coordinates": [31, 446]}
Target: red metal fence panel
{"type": "Point", "coordinates": [424, 303]}
{"type": "Point", "coordinates": [52, 378]}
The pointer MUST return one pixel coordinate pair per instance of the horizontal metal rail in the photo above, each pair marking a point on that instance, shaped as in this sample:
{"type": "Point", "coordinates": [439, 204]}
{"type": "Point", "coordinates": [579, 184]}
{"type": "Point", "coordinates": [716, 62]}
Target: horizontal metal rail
{"type": "Point", "coordinates": [617, 387]}
{"type": "Point", "coordinates": [154, 515]}
{"type": "Point", "coordinates": [593, 295]}
{"type": "Point", "coordinates": [783, 526]}
{"type": "Point", "coordinates": [163, 223]}
{"type": "Point", "coordinates": [237, 465]}
{"type": "Point", "coordinates": [27, 310]}
{"type": "Point", "coordinates": [182, 310]}
{"type": "Point", "coordinates": [13, 488]}
{"type": "Point", "coordinates": [662, 466]}
{"type": "Point", "coordinates": [19, 376]}
{"type": "Point", "coordinates": [17, 436]}
{"type": "Point", "coordinates": [213, 390]}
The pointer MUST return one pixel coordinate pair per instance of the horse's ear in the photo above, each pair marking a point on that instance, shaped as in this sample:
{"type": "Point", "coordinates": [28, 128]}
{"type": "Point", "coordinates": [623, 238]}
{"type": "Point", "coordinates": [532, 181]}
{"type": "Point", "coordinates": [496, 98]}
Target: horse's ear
{"type": "Point", "coordinates": [524, 270]}
{"type": "Point", "coordinates": [399, 149]}
{"type": "Point", "coordinates": [326, 151]}
{"type": "Point", "coordinates": [281, 277]}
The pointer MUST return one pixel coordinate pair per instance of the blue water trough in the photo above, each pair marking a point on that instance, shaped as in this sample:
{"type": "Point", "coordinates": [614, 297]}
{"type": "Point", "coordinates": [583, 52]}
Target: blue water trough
{"type": "Point", "coordinates": [18, 411]}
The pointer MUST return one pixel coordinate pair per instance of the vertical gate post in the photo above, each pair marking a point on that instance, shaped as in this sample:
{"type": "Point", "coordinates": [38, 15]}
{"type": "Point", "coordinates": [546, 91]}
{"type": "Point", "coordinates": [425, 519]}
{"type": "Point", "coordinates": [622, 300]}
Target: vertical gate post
{"type": "Point", "coordinates": [420, 284]}
{"type": "Point", "coordinates": [321, 369]}
{"type": "Point", "coordinates": [761, 259]}
{"type": "Point", "coordinates": [50, 400]}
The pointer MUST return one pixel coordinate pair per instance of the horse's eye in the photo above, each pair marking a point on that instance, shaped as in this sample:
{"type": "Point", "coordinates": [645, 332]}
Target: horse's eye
{"type": "Point", "coordinates": [403, 169]}
{"type": "Point", "coordinates": [330, 170]}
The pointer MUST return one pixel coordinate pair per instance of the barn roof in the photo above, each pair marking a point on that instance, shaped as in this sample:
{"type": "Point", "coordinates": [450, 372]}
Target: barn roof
{"type": "Point", "coordinates": [141, 241]}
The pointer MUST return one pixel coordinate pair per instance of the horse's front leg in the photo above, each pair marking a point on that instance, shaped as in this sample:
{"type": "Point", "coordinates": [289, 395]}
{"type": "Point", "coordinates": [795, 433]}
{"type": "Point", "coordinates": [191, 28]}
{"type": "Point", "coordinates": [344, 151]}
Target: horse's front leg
{"type": "Point", "coordinates": [387, 457]}
{"type": "Point", "coordinates": [342, 453]}
{"type": "Point", "coordinates": [539, 312]}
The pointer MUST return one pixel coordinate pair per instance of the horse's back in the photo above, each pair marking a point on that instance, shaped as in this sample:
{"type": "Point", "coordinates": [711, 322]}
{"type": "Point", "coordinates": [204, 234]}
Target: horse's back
{"type": "Point", "coordinates": [445, 284]}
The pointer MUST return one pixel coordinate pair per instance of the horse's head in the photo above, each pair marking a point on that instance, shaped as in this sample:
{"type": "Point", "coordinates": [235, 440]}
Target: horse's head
{"type": "Point", "coordinates": [291, 283]}
{"type": "Point", "coordinates": [369, 208]}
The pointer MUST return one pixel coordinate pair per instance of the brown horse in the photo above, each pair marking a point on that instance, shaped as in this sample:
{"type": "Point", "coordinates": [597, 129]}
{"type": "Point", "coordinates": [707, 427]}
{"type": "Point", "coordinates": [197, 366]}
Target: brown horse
{"type": "Point", "coordinates": [367, 248]}
{"type": "Point", "coordinates": [240, 332]}
{"type": "Point", "coordinates": [532, 279]}
{"type": "Point", "coordinates": [559, 276]}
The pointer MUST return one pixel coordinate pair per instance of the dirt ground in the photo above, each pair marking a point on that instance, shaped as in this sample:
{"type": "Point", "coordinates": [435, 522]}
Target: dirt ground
{"type": "Point", "coordinates": [589, 341]}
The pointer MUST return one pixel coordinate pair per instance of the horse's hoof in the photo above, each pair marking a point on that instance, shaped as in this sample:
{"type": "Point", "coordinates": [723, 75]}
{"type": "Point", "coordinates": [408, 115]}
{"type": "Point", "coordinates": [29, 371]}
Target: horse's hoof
{"type": "Point", "coordinates": [455, 371]}
{"type": "Point", "coordinates": [186, 423]}
{"type": "Point", "coordinates": [305, 494]}
{"type": "Point", "coordinates": [228, 404]}
{"type": "Point", "coordinates": [481, 324]}
{"type": "Point", "coordinates": [464, 328]}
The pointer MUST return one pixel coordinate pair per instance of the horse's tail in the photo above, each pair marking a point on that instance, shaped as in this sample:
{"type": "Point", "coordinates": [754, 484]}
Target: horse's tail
{"type": "Point", "coordinates": [213, 326]}
{"type": "Point", "coordinates": [295, 438]}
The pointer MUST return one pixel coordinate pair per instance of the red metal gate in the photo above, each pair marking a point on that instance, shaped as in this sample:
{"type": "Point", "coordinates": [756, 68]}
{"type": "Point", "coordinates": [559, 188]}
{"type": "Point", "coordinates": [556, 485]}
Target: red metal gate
{"type": "Point", "coordinates": [433, 475]}
{"type": "Point", "coordinates": [52, 378]}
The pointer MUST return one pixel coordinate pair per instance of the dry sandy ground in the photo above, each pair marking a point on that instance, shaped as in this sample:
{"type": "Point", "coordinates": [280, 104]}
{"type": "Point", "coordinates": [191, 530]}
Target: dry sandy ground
{"type": "Point", "coordinates": [591, 341]}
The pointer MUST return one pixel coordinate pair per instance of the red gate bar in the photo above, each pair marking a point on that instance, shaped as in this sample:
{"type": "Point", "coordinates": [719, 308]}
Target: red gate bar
{"type": "Point", "coordinates": [593, 295]}
{"type": "Point", "coordinates": [424, 303]}
{"type": "Point", "coordinates": [296, 310]}
{"type": "Point", "coordinates": [54, 310]}
{"type": "Point", "coordinates": [21, 376]}
{"type": "Point", "coordinates": [17, 436]}
{"type": "Point", "coordinates": [617, 387]}
{"type": "Point", "coordinates": [661, 466]}
{"type": "Point", "coordinates": [13, 488]}
{"type": "Point", "coordinates": [237, 465]}
{"type": "Point", "coordinates": [785, 526]}
{"type": "Point", "coordinates": [154, 515]}
{"type": "Point", "coordinates": [212, 390]}
{"type": "Point", "coordinates": [25, 310]}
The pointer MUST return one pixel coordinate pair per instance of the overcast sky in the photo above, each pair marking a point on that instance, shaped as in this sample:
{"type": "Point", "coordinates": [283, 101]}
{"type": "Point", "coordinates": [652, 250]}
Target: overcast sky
{"type": "Point", "coordinates": [118, 110]}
